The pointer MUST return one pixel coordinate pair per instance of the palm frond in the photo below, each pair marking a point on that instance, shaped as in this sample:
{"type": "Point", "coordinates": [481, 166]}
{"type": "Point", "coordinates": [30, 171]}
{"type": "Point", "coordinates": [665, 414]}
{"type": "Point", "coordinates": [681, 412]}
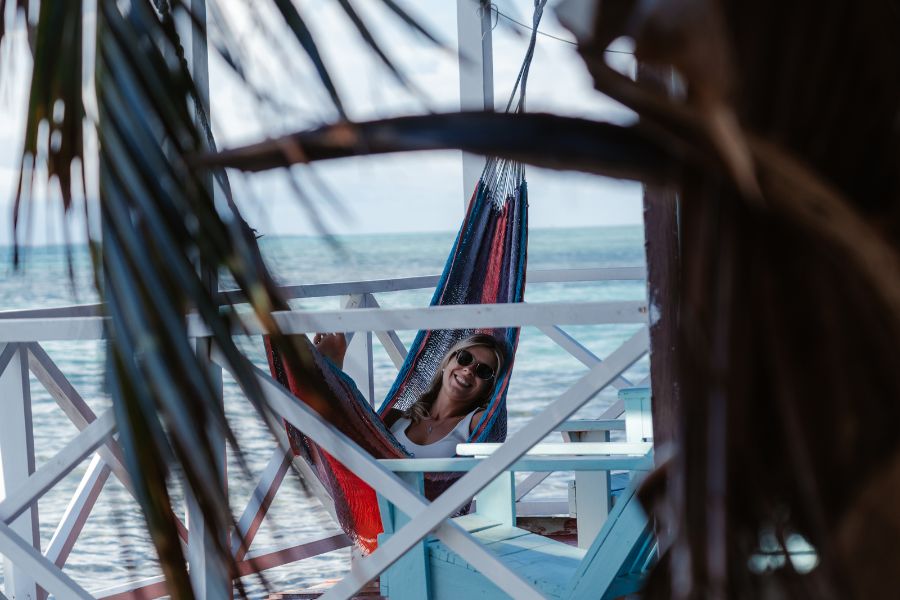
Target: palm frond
{"type": "Point", "coordinates": [53, 133]}
{"type": "Point", "coordinates": [542, 140]}
{"type": "Point", "coordinates": [304, 36]}
{"type": "Point", "coordinates": [149, 191]}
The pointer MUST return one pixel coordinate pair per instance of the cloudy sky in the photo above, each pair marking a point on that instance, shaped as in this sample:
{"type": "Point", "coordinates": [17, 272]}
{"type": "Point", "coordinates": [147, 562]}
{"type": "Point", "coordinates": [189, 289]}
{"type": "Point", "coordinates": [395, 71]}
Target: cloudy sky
{"type": "Point", "coordinates": [409, 192]}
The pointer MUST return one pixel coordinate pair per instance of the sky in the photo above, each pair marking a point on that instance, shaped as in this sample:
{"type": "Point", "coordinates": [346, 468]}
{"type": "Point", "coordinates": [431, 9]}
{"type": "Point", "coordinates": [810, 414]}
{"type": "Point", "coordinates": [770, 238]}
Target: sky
{"type": "Point", "coordinates": [393, 193]}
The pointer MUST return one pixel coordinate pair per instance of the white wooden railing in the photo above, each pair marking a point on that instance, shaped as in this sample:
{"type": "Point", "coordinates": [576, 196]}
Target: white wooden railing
{"type": "Point", "coordinates": [30, 569]}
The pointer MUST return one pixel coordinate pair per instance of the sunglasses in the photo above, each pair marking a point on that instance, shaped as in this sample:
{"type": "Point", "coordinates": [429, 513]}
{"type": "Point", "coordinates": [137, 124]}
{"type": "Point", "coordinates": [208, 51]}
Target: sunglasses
{"type": "Point", "coordinates": [464, 358]}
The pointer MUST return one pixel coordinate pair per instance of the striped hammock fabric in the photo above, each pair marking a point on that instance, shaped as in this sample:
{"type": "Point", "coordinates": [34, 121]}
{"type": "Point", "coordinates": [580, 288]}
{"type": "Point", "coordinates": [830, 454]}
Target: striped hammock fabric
{"type": "Point", "coordinates": [485, 266]}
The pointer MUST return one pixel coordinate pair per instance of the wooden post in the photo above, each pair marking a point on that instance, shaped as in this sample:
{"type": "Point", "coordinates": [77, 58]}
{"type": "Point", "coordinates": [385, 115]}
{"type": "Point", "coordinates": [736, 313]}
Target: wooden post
{"type": "Point", "coordinates": [410, 576]}
{"type": "Point", "coordinates": [476, 75]}
{"type": "Point", "coordinates": [17, 460]}
{"type": "Point", "coordinates": [209, 577]}
{"type": "Point", "coordinates": [358, 360]}
{"type": "Point", "coordinates": [661, 231]}
{"type": "Point", "coordinates": [592, 492]}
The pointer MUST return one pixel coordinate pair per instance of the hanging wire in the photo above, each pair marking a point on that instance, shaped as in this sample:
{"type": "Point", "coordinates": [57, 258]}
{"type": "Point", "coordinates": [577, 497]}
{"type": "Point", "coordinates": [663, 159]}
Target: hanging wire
{"type": "Point", "coordinates": [497, 12]}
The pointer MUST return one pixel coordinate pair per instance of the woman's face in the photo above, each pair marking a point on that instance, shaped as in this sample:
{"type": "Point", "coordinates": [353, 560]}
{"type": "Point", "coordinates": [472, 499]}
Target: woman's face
{"type": "Point", "coordinates": [461, 384]}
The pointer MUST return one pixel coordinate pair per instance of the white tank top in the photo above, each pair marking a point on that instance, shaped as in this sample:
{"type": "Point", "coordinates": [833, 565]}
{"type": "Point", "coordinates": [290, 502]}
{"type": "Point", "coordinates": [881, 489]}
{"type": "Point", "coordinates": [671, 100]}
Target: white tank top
{"type": "Point", "coordinates": [442, 448]}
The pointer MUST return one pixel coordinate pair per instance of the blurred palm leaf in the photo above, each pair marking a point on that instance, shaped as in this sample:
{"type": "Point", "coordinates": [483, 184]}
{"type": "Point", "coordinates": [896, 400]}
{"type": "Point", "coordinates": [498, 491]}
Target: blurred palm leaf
{"type": "Point", "coordinates": [55, 101]}
{"type": "Point", "coordinates": [162, 238]}
{"type": "Point", "coordinates": [544, 140]}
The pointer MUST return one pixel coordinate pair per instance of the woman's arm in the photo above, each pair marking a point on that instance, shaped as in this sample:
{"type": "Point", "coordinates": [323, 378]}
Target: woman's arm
{"type": "Point", "coordinates": [333, 346]}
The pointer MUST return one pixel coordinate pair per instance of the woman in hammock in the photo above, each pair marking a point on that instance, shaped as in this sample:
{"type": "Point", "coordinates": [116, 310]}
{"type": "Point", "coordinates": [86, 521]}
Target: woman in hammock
{"type": "Point", "coordinates": [449, 410]}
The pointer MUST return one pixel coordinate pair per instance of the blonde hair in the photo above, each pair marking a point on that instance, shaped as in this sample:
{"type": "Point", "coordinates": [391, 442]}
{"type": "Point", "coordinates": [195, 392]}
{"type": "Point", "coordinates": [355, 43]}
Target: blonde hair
{"type": "Point", "coordinates": [421, 408]}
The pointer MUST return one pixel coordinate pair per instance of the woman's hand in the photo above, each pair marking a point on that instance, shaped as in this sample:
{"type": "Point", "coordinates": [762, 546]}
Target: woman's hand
{"type": "Point", "coordinates": [333, 346]}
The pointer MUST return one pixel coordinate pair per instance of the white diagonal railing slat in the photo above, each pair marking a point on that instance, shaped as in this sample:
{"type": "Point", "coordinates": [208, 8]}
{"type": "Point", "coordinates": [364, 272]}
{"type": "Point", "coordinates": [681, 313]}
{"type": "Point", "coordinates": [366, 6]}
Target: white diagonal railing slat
{"type": "Point", "coordinates": [57, 467]}
{"type": "Point", "coordinates": [574, 348]}
{"type": "Point", "coordinates": [32, 562]}
{"type": "Point", "coordinates": [259, 502]}
{"type": "Point", "coordinates": [77, 511]}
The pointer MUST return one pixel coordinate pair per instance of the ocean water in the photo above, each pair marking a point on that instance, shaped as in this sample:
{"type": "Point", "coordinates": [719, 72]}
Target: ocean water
{"type": "Point", "coordinates": [113, 547]}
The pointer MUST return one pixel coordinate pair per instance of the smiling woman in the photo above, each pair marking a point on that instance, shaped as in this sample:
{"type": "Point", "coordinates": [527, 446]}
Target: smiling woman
{"type": "Point", "coordinates": [450, 410]}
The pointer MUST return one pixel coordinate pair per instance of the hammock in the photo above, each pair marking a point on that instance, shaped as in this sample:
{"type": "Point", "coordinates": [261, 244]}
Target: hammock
{"type": "Point", "coordinates": [486, 265]}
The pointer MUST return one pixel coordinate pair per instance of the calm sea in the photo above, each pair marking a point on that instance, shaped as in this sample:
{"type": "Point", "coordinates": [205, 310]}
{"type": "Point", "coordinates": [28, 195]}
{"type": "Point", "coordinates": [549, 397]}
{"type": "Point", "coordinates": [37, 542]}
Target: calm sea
{"type": "Point", "coordinates": [114, 548]}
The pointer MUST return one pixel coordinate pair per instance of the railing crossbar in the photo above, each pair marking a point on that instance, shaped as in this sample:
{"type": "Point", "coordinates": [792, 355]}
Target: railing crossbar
{"type": "Point", "coordinates": [77, 511]}
{"type": "Point", "coordinates": [529, 483]}
{"type": "Point", "coordinates": [33, 563]}
{"type": "Point", "coordinates": [259, 502]}
{"type": "Point", "coordinates": [579, 352]}
{"type": "Point", "coordinates": [57, 467]}
{"type": "Point", "coordinates": [77, 410]}
{"type": "Point", "coordinates": [9, 350]}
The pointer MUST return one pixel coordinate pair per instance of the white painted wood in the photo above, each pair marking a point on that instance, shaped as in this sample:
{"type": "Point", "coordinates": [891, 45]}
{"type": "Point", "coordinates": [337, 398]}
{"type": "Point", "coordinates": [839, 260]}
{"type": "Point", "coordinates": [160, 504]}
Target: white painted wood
{"type": "Point", "coordinates": [37, 330]}
{"type": "Point", "coordinates": [529, 483]}
{"type": "Point", "coordinates": [318, 290]}
{"type": "Point", "coordinates": [81, 415]}
{"type": "Point", "coordinates": [30, 564]}
{"type": "Point", "coordinates": [374, 286]}
{"type": "Point", "coordinates": [16, 465]}
{"type": "Point", "coordinates": [615, 411]}
{"type": "Point", "coordinates": [638, 418]}
{"type": "Point", "coordinates": [389, 339]}
{"type": "Point", "coordinates": [366, 319]}
{"type": "Point", "coordinates": [151, 587]}
{"type": "Point", "coordinates": [208, 573]}
{"type": "Point", "coordinates": [7, 351]}
{"type": "Point", "coordinates": [393, 346]}
{"type": "Point", "coordinates": [561, 448]}
{"type": "Point", "coordinates": [77, 511]}
{"type": "Point", "coordinates": [444, 317]}
{"type": "Point", "coordinates": [259, 561]}
{"type": "Point", "coordinates": [638, 415]}
{"type": "Point", "coordinates": [476, 77]}
{"type": "Point", "coordinates": [592, 490]}
{"type": "Point", "coordinates": [579, 425]}
{"type": "Point", "coordinates": [74, 406]}
{"type": "Point", "coordinates": [573, 347]}
{"type": "Point", "coordinates": [61, 312]}
{"type": "Point", "coordinates": [358, 360]}
{"type": "Point", "coordinates": [497, 500]}
{"type": "Point", "coordinates": [410, 579]}
{"type": "Point", "coordinates": [18, 500]}
{"type": "Point", "coordinates": [525, 464]}
{"type": "Point", "coordinates": [424, 521]}
{"type": "Point", "coordinates": [259, 502]}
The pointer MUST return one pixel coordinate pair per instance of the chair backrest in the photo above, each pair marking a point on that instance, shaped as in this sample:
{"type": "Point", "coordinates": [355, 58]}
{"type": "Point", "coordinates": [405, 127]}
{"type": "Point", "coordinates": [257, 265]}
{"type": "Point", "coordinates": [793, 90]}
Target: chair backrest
{"type": "Point", "coordinates": [624, 546]}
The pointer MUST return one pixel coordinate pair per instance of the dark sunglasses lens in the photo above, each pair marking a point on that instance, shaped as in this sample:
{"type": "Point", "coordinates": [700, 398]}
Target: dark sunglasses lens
{"type": "Point", "coordinates": [482, 371]}
{"type": "Point", "coordinates": [464, 358]}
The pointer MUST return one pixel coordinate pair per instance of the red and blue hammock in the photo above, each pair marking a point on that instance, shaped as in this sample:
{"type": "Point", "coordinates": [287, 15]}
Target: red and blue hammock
{"type": "Point", "coordinates": [486, 266]}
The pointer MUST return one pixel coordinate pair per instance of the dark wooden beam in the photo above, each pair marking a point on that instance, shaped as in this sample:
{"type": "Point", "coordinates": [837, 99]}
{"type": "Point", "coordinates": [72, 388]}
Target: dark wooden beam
{"type": "Point", "coordinates": [663, 269]}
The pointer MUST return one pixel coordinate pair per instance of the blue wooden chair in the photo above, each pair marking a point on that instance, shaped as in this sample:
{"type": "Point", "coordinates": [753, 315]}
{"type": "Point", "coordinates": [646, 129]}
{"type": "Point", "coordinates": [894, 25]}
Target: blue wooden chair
{"type": "Point", "coordinates": [611, 567]}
